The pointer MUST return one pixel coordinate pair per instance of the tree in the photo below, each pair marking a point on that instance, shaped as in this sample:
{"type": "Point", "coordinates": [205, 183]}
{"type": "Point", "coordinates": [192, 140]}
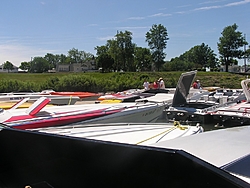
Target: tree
{"type": "Point", "coordinates": [105, 61]}
{"type": "Point", "coordinates": [101, 50]}
{"type": "Point", "coordinates": [25, 66]}
{"type": "Point", "coordinates": [142, 58]}
{"type": "Point", "coordinates": [77, 56]}
{"type": "Point", "coordinates": [202, 56]}
{"type": "Point", "coordinates": [63, 59]}
{"type": "Point", "coordinates": [39, 65]}
{"type": "Point", "coordinates": [247, 54]}
{"type": "Point", "coordinates": [157, 38]}
{"type": "Point", "coordinates": [113, 51]}
{"type": "Point", "coordinates": [178, 64]}
{"type": "Point", "coordinates": [52, 59]}
{"type": "Point", "coordinates": [229, 45]}
{"type": "Point", "coordinates": [8, 65]}
{"type": "Point", "coordinates": [125, 50]}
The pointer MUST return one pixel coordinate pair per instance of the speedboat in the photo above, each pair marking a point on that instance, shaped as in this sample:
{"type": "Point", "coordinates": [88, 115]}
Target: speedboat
{"type": "Point", "coordinates": [131, 133]}
{"type": "Point", "coordinates": [37, 159]}
{"type": "Point", "coordinates": [129, 95]}
{"type": "Point", "coordinates": [54, 99]}
{"type": "Point", "coordinates": [83, 95]}
{"type": "Point", "coordinates": [227, 149]}
{"type": "Point", "coordinates": [9, 105]}
{"type": "Point", "coordinates": [237, 114]}
{"type": "Point", "coordinates": [199, 106]}
{"type": "Point", "coordinates": [39, 115]}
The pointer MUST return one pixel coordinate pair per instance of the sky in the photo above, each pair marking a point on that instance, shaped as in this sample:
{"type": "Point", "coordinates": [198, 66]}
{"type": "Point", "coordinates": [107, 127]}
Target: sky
{"type": "Point", "coordinates": [33, 28]}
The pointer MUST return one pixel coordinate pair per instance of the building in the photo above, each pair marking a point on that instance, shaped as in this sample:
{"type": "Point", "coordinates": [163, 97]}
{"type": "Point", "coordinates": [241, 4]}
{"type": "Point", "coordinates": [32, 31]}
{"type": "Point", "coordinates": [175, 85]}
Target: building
{"type": "Point", "coordinates": [15, 69]}
{"type": "Point", "coordinates": [77, 67]}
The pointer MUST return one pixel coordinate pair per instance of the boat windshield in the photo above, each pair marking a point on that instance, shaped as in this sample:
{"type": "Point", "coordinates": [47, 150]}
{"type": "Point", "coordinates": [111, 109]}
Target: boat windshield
{"type": "Point", "coordinates": [1, 110]}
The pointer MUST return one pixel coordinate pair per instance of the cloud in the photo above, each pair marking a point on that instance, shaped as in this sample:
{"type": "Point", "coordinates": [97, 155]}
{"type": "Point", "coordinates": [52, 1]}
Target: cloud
{"type": "Point", "coordinates": [159, 15]}
{"type": "Point", "coordinates": [136, 18]}
{"type": "Point", "coordinates": [211, 2]}
{"type": "Point", "coordinates": [16, 53]}
{"type": "Point", "coordinates": [223, 6]}
{"type": "Point", "coordinates": [207, 8]}
{"type": "Point", "coordinates": [105, 38]}
{"type": "Point", "coordinates": [238, 3]}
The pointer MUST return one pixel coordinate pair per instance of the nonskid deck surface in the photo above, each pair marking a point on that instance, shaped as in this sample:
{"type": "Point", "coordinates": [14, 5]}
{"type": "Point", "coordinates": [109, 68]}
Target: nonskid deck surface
{"type": "Point", "coordinates": [132, 133]}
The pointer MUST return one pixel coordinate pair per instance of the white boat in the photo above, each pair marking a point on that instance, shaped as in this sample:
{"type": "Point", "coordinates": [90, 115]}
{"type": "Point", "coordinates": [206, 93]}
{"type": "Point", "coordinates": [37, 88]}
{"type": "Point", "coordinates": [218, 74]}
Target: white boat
{"type": "Point", "coordinates": [179, 94]}
{"type": "Point", "coordinates": [37, 159]}
{"type": "Point", "coordinates": [236, 114]}
{"type": "Point", "coordinates": [199, 106]}
{"type": "Point", "coordinates": [140, 111]}
{"type": "Point", "coordinates": [39, 115]}
{"type": "Point", "coordinates": [130, 133]}
{"type": "Point", "coordinates": [54, 99]}
{"type": "Point", "coordinates": [227, 149]}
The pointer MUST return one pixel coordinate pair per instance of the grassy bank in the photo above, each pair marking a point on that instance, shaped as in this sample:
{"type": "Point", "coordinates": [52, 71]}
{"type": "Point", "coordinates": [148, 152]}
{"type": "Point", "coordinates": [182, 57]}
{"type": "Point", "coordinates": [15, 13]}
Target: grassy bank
{"type": "Point", "coordinates": [99, 82]}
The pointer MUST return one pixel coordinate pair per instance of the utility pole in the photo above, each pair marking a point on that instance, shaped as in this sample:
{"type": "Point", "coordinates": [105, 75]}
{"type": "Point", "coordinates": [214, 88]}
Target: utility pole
{"type": "Point", "coordinates": [245, 62]}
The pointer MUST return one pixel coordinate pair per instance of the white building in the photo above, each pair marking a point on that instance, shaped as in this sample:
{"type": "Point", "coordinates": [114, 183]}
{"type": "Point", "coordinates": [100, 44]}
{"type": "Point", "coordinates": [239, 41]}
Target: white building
{"type": "Point", "coordinates": [15, 69]}
{"type": "Point", "coordinates": [77, 67]}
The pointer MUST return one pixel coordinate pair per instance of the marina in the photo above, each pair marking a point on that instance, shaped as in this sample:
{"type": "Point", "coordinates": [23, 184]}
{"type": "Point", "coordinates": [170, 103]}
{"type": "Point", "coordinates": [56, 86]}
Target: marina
{"type": "Point", "coordinates": [125, 94]}
{"type": "Point", "coordinates": [135, 129]}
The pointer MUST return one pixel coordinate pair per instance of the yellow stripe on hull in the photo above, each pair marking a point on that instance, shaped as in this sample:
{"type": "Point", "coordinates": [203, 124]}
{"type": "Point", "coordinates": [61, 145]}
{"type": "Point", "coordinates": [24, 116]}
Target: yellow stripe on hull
{"type": "Point", "coordinates": [8, 105]}
{"type": "Point", "coordinates": [107, 101]}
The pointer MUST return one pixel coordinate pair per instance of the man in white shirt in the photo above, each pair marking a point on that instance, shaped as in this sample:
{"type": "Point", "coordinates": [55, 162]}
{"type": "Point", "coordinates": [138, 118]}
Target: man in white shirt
{"type": "Point", "coordinates": [161, 83]}
{"type": "Point", "coordinates": [146, 85]}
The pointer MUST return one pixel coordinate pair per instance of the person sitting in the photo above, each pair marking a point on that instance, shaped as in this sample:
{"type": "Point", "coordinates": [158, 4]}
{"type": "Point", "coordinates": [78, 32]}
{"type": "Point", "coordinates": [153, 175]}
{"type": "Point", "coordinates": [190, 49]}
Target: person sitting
{"type": "Point", "coordinates": [156, 84]}
{"type": "Point", "coordinates": [146, 85]}
{"type": "Point", "coordinates": [161, 83]}
{"type": "Point", "coordinates": [195, 85]}
{"type": "Point", "coordinates": [198, 84]}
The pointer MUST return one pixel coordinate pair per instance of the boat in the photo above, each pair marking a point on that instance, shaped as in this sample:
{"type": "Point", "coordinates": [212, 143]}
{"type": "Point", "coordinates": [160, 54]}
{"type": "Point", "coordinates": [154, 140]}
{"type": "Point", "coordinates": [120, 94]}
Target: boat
{"type": "Point", "coordinates": [227, 149]}
{"type": "Point", "coordinates": [137, 95]}
{"type": "Point", "coordinates": [130, 133]}
{"type": "Point", "coordinates": [54, 99]}
{"type": "Point", "coordinates": [129, 95]}
{"type": "Point", "coordinates": [38, 159]}
{"type": "Point", "coordinates": [237, 114]}
{"type": "Point", "coordinates": [83, 95]}
{"type": "Point", "coordinates": [9, 105]}
{"type": "Point", "coordinates": [177, 95]}
{"type": "Point", "coordinates": [198, 106]}
{"type": "Point", "coordinates": [38, 115]}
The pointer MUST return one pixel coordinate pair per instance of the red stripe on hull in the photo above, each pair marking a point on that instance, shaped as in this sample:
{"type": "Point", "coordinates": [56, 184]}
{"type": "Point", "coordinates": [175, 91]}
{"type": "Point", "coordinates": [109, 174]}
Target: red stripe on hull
{"type": "Point", "coordinates": [57, 121]}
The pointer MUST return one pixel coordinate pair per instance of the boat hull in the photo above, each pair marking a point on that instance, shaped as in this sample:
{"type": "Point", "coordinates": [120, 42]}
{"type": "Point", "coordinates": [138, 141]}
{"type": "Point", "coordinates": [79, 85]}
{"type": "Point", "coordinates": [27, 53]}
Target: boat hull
{"type": "Point", "coordinates": [81, 95]}
{"type": "Point", "coordinates": [43, 160]}
{"type": "Point", "coordinates": [92, 113]}
{"type": "Point", "coordinates": [54, 99]}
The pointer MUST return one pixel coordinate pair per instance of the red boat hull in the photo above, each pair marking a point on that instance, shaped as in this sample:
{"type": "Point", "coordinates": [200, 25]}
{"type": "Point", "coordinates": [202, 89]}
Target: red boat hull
{"type": "Point", "coordinates": [81, 95]}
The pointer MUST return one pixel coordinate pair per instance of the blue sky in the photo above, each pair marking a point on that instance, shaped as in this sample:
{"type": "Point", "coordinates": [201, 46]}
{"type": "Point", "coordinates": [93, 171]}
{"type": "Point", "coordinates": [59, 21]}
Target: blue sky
{"type": "Point", "coordinates": [31, 28]}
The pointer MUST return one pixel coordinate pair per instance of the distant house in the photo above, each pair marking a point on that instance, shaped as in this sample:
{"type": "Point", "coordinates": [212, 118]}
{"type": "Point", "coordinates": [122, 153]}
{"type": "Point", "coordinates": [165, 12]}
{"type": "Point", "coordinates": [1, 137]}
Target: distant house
{"type": "Point", "coordinates": [233, 68]}
{"type": "Point", "coordinates": [15, 69]}
{"type": "Point", "coordinates": [22, 71]}
{"type": "Point", "coordinates": [77, 67]}
{"type": "Point", "coordinates": [63, 68]}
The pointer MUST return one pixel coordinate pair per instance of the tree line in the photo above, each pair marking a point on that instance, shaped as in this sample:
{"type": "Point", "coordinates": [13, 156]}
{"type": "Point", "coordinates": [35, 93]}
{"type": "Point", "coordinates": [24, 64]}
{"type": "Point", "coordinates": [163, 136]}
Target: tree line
{"type": "Point", "coordinates": [120, 53]}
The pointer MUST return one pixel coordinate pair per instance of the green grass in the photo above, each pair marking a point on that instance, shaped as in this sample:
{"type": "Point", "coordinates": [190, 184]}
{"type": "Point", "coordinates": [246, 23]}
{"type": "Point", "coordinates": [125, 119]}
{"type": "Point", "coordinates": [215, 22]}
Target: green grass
{"type": "Point", "coordinates": [115, 81]}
